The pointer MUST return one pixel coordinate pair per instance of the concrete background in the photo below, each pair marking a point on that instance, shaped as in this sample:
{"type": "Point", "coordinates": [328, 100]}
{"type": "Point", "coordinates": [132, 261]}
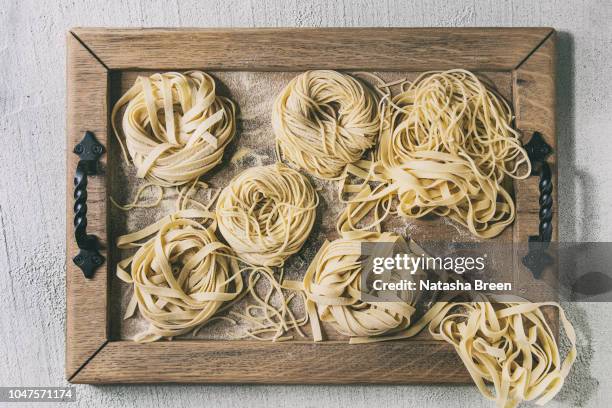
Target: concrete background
{"type": "Point", "coordinates": [32, 169]}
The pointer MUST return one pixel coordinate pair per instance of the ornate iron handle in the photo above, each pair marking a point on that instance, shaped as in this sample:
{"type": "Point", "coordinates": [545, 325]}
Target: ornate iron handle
{"type": "Point", "coordinates": [537, 259]}
{"type": "Point", "coordinates": [89, 258]}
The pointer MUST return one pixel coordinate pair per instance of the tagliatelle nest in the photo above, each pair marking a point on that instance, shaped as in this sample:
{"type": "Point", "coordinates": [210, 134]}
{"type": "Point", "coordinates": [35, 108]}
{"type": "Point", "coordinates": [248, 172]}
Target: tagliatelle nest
{"type": "Point", "coordinates": [333, 288]}
{"type": "Point", "coordinates": [175, 126]}
{"type": "Point", "coordinates": [181, 274]}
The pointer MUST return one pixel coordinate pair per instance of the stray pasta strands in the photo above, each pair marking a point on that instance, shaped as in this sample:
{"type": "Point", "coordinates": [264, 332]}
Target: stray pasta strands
{"type": "Point", "coordinates": [138, 196]}
{"type": "Point", "coordinates": [270, 321]}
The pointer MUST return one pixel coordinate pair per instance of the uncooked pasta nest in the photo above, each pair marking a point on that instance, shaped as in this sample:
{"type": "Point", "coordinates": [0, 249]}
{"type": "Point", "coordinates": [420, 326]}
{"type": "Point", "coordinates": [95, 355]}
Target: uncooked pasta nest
{"type": "Point", "coordinates": [508, 345]}
{"type": "Point", "coordinates": [447, 147]}
{"type": "Point", "coordinates": [266, 213]}
{"type": "Point", "coordinates": [324, 120]}
{"type": "Point", "coordinates": [505, 342]}
{"type": "Point", "coordinates": [175, 126]}
{"type": "Point", "coordinates": [181, 273]}
{"type": "Point", "coordinates": [333, 289]}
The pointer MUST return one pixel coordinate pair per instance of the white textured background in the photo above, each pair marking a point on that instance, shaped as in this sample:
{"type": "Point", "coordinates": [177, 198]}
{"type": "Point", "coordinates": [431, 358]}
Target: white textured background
{"type": "Point", "coordinates": [32, 169]}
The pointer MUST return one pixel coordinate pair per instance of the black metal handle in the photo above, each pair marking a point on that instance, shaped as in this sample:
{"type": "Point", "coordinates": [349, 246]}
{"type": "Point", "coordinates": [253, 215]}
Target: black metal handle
{"type": "Point", "coordinates": [89, 258]}
{"type": "Point", "coordinates": [537, 259]}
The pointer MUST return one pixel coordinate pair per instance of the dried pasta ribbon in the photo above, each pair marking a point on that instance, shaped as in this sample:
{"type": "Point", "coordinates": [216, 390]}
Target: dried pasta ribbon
{"type": "Point", "coordinates": [136, 202]}
{"type": "Point", "coordinates": [175, 126]}
{"type": "Point", "coordinates": [333, 288]}
{"type": "Point", "coordinates": [324, 120]}
{"type": "Point", "coordinates": [365, 199]}
{"type": "Point", "coordinates": [266, 213]}
{"type": "Point", "coordinates": [181, 273]}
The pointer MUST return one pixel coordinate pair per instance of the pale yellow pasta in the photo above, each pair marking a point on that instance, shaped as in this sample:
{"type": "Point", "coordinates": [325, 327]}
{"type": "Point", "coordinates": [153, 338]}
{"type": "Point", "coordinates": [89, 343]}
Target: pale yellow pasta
{"type": "Point", "coordinates": [136, 202]}
{"type": "Point", "coordinates": [181, 274]}
{"type": "Point", "coordinates": [175, 126]}
{"type": "Point", "coordinates": [271, 317]}
{"type": "Point", "coordinates": [266, 213]}
{"type": "Point", "coordinates": [510, 346]}
{"type": "Point", "coordinates": [504, 342]}
{"type": "Point", "coordinates": [324, 120]}
{"type": "Point", "coordinates": [333, 289]}
{"type": "Point", "coordinates": [447, 147]}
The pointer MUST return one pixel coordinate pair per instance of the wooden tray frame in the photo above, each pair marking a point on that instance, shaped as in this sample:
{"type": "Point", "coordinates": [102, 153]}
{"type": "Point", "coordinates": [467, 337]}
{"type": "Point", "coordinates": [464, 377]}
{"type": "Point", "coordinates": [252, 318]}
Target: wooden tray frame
{"type": "Point", "coordinates": [92, 54]}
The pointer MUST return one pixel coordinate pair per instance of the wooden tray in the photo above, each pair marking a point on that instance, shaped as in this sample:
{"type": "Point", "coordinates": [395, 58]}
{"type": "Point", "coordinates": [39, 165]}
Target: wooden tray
{"type": "Point", "coordinates": [102, 62]}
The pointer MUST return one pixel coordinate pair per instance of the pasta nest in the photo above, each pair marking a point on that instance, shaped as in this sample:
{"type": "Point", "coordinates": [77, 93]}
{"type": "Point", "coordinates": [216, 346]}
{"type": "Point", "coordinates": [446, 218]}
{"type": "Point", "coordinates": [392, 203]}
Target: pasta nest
{"type": "Point", "coordinates": [175, 126]}
{"type": "Point", "coordinates": [181, 274]}
{"type": "Point", "coordinates": [266, 213]}
{"type": "Point", "coordinates": [509, 345]}
{"type": "Point", "coordinates": [448, 147]}
{"type": "Point", "coordinates": [324, 120]}
{"type": "Point", "coordinates": [333, 288]}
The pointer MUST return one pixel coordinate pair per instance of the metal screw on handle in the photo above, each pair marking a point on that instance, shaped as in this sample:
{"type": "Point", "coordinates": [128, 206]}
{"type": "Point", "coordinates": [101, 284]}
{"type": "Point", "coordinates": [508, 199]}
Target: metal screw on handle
{"type": "Point", "coordinates": [89, 258]}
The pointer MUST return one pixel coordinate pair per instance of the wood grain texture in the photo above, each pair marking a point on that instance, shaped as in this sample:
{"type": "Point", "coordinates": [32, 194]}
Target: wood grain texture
{"type": "Point", "coordinates": [283, 50]}
{"type": "Point", "coordinates": [86, 300]}
{"type": "Point", "coordinates": [384, 49]}
{"type": "Point", "coordinates": [534, 106]}
{"type": "Point", "coordinates": [277, 363]}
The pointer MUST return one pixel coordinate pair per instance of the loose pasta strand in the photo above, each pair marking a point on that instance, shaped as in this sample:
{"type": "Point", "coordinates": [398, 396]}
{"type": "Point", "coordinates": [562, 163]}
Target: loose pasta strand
{"type": "Point", "coordinates": [271, 317]}
{"type": "Point", "coordinates": [136, 202]}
